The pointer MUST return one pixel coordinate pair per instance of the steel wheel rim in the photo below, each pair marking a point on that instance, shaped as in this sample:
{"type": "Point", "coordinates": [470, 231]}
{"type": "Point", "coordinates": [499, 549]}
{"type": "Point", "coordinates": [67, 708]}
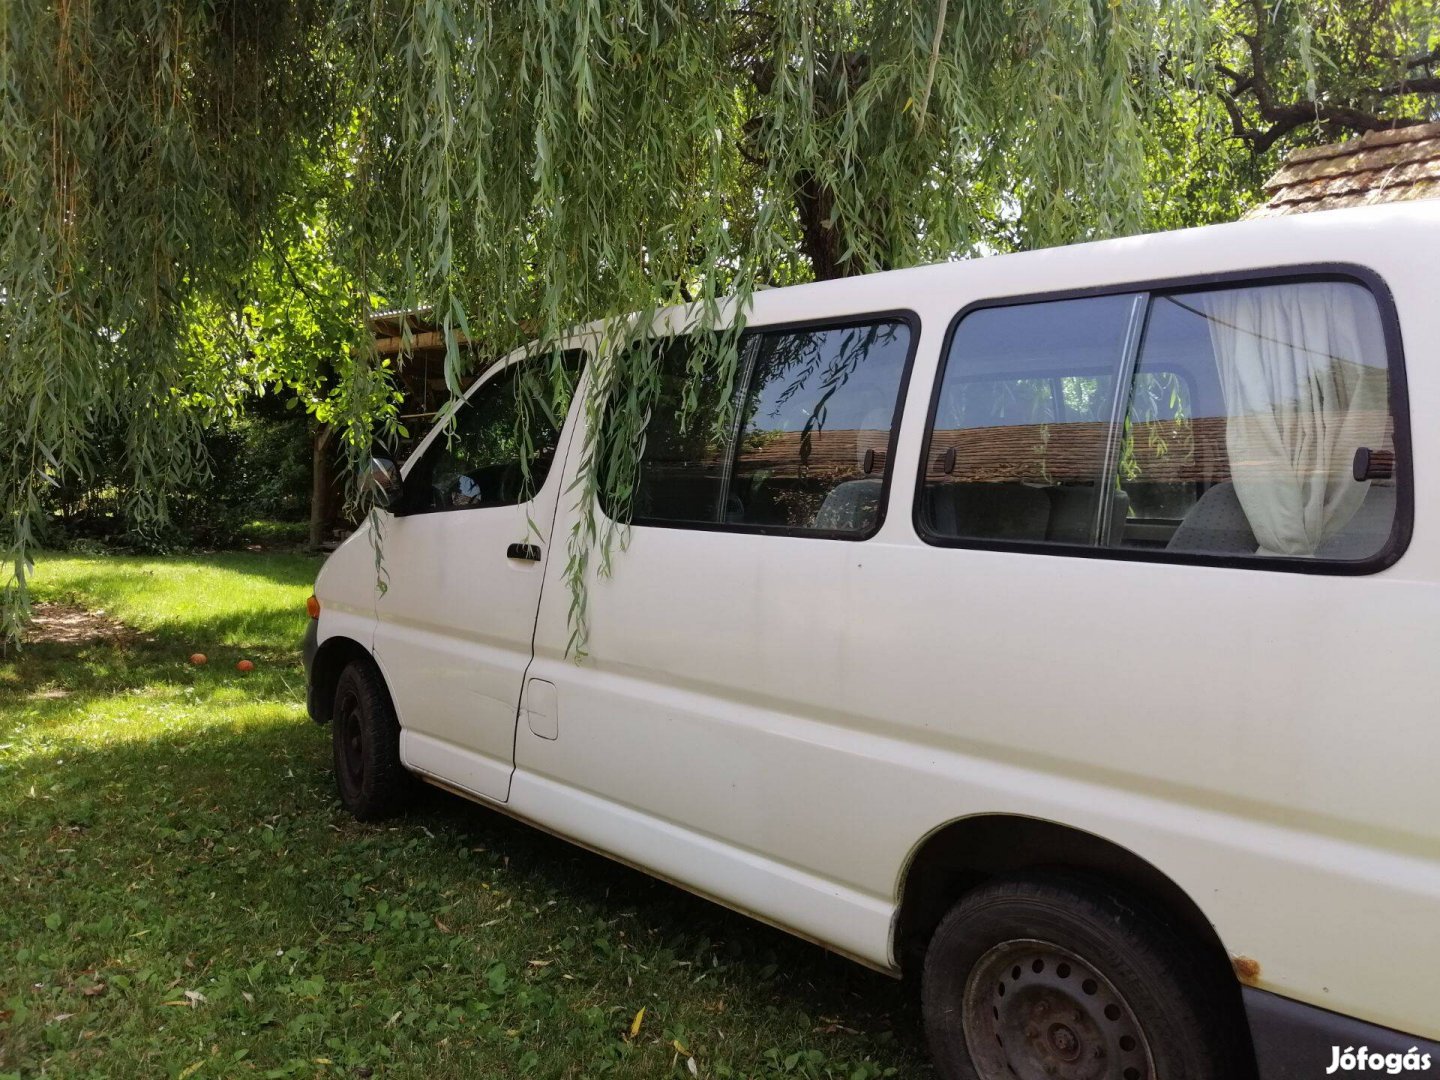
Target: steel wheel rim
{"type": "Point", "coordinates": [1036, 1011]}
{"type": "Point", "coordinates": [352, 748]}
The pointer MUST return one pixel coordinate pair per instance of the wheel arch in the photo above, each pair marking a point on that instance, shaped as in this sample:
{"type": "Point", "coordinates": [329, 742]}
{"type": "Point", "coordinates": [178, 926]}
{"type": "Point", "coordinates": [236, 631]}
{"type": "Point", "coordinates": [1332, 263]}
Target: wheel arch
{"type": "Point", "coordinates": [963, 853]}
{"type": "Point", "coordinates": [331, 658]}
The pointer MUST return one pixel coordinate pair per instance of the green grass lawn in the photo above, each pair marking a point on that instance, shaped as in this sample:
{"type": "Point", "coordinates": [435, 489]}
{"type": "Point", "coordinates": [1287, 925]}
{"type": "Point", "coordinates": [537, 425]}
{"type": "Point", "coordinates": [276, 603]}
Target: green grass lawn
{"type": "Point", "coordinates": [181, 895]}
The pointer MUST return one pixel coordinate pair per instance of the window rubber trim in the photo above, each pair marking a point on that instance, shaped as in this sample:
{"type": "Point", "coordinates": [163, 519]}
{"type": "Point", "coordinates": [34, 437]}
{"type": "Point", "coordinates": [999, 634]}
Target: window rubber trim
{"type": "Point", "coordinates": [911, 319]}
{"type": "Point", "coordinates": [1300, 273]}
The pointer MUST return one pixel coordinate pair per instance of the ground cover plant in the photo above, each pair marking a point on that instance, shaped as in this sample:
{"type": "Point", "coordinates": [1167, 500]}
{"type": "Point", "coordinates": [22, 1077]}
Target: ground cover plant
{"type": "Point", "coordinates": [183, 896]}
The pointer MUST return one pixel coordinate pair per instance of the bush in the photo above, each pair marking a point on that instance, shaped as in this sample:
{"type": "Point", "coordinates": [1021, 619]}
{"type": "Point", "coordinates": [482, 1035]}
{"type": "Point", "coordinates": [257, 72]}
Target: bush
{"type": "Point", "coordinates": [258, 491]}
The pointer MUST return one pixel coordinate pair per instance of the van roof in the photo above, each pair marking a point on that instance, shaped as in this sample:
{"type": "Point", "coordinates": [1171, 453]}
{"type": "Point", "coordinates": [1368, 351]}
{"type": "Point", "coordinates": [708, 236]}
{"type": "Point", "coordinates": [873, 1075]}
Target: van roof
{"type": "Point", "coordinates": [1276, 230]}
{"type": "Point", "coordinates": [1258, 243]}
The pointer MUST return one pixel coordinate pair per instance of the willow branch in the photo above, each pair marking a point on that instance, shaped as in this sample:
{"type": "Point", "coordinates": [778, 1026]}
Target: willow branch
{"type": "Point", "coordinates": [934, 62]}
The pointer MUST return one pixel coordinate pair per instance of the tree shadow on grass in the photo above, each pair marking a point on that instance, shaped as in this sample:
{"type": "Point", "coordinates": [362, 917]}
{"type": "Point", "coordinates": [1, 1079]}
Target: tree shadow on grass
{"type": "Point", "coordinates": [784, 970]}
{"type": "Point", "coordinates": [53, 684]}
{"type": "Point", "coordinates": [229, 827]}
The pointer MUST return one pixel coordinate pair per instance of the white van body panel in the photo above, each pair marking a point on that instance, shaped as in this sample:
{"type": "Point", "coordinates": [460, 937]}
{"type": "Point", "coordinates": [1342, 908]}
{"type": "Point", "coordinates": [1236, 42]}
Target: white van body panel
{"type": "Point", "coordinates": [779, 722]}
{"type": "Point", "coordinates": [454, 626]}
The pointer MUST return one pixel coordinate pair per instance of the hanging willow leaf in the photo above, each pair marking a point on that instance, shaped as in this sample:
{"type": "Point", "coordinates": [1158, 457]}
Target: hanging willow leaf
{"type": "Point", "coordinates": [167, 167]}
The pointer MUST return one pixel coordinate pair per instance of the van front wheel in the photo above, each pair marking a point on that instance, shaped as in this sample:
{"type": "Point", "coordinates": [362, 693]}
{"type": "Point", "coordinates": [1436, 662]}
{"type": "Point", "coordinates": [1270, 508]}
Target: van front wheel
{"type": "Point", "coordinates": [1041, 979]}
{"type": "Point", "coordinates": [365, 736]}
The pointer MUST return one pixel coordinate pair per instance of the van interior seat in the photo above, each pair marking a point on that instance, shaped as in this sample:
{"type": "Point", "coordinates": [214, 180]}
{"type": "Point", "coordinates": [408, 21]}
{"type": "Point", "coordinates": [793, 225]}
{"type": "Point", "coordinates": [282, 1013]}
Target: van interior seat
{"type": "Point", "coordinates": [852, 506]}
{"type": "Point", "coordinates": [1365, 534]}
{"type": "Point", "coordinates": [1217, 524]}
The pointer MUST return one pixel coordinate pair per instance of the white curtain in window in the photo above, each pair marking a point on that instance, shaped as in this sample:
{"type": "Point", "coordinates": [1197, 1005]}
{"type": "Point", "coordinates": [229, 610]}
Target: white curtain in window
{"type": "Point", "coordinates": [1302, 368]}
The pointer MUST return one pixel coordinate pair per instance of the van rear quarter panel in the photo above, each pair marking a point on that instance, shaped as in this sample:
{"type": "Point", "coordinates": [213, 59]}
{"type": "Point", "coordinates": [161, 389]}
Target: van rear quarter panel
{"type": "Point", "coordinates": [812, 709]}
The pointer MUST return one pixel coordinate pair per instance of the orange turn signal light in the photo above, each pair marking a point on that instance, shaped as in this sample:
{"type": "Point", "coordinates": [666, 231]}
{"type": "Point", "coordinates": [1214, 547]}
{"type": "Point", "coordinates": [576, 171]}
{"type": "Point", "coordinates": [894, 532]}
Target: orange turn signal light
{"type": "Point", "coordinates": [312, 607]}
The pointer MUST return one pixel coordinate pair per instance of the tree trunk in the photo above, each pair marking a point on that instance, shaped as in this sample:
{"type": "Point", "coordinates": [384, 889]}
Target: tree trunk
{"type": "Point", "coordinates": [823, 242]}
{"type": "Point", "coordinates": [819, 240]}
{"type": "Point", "coordinates": [324, 493]}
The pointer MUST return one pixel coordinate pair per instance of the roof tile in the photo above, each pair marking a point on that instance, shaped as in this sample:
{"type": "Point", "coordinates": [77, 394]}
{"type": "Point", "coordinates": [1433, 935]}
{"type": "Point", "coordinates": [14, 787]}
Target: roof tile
{"type": "Point", "coordinates": [1381, 166]}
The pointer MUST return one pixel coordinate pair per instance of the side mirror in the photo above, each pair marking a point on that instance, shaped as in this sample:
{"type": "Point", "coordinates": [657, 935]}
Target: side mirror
{"type": "Point", "coordinates": [385, 484]}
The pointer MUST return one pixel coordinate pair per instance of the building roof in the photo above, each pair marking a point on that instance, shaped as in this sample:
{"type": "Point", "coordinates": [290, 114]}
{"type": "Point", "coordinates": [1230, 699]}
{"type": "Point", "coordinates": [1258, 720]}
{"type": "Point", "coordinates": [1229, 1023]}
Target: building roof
{"type": "Point", "coordinates": [1380, 166]}
{"type": "Point", "coordinates": [389, 326]}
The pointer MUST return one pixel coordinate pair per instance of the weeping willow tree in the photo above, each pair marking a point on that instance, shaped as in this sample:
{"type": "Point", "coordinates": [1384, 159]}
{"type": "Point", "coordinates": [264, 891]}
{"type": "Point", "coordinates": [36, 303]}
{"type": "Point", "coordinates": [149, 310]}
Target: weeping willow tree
{"type": "Point", "coordinates": [517, 168]}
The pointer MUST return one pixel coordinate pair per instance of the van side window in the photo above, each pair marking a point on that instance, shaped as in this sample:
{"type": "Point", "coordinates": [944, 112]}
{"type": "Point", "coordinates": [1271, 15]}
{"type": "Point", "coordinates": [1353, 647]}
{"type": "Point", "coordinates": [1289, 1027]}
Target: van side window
{"type": "Point", "coordinates": [1290, 382]}
{"type": "Point", "coordinates": [681, 474]}
{"type": "Point", "coordinates": [1241, 422]}
{"type": "Point", "coordinates": [1018, 446]}
{"type": "Point", "coordinates": [815, 427]}
{"type": "Point", "coordinates": [476, 463]}
{"type": "Point", "coordinates": [808, 447]}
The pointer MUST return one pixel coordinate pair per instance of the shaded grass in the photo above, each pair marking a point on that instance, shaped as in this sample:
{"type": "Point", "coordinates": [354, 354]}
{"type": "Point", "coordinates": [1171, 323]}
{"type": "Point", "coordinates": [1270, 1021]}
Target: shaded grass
{"type": "Point", "coordinates": [184, 897]}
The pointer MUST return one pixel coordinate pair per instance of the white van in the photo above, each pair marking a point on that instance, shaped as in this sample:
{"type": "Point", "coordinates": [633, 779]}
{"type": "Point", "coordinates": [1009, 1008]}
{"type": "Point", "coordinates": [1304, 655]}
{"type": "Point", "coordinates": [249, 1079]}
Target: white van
{"type": "Point", "coordinates": [1060, 628]}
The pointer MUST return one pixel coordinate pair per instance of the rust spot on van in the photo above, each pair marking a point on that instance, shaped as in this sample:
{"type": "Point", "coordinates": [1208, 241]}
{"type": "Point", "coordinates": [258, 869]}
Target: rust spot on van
{"type": "Point", "coordinates": [1247, 968]}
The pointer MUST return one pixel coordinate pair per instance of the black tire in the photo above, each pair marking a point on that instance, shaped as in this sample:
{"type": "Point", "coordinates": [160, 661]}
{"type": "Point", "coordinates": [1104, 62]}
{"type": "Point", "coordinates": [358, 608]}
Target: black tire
{"type": "Point", "coordinates": [365, 737]}
{"type": "Point", "coordinates": [1041, 978]}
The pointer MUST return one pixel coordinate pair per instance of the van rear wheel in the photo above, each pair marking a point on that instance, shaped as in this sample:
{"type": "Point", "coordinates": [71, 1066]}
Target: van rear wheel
{"type": "Point", "coordinates": [365, 737]}
{"type": "Point", "coordinates": [1045, 979]}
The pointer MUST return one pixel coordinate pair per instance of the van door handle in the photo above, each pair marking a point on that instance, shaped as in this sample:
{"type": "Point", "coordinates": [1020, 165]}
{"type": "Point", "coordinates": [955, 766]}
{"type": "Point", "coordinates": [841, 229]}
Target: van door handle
{"type": "Point", "coordinates": [523, 552]}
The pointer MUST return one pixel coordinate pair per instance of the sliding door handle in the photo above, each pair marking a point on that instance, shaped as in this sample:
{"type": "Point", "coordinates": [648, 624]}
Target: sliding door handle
{"type": "Point", "coordinates": [523, 552]}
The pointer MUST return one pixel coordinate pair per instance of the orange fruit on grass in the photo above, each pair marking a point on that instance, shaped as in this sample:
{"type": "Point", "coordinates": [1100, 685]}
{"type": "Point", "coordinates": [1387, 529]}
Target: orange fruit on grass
{"type": "Point", "coordinates": [244, 665]}
{"type": "Point", "coordinates": [198, 658]}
